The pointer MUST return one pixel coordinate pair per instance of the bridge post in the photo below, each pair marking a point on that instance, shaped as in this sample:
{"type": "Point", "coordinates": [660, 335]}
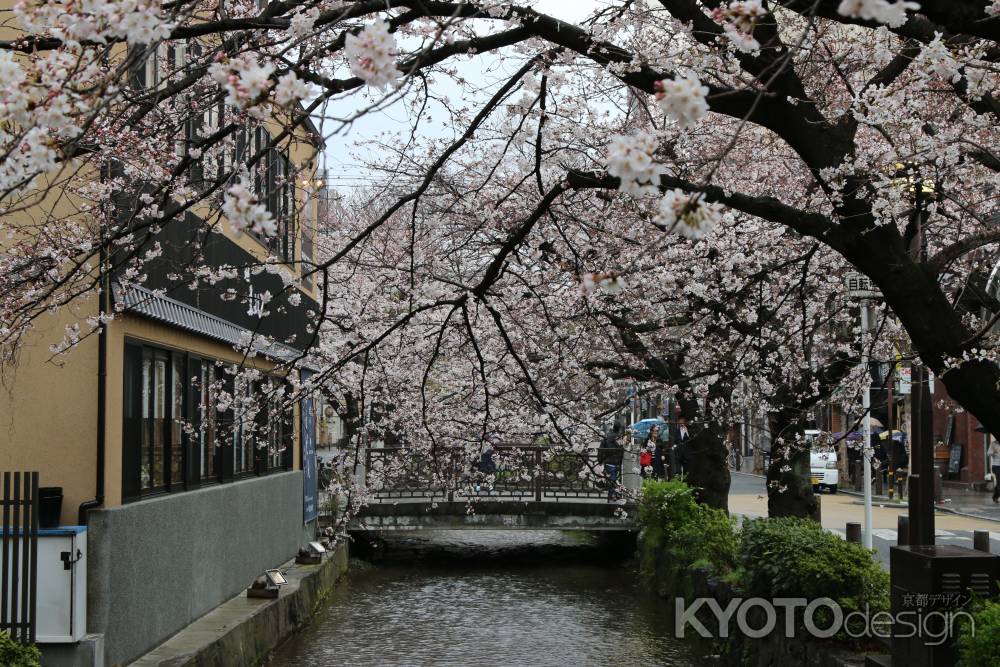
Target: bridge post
{"type": "Point", "coordinates": [631, 479]}
{"type": "Point", "coordinates": [539, 475]}
{"type": "Point", "coordinates": [361, 473]}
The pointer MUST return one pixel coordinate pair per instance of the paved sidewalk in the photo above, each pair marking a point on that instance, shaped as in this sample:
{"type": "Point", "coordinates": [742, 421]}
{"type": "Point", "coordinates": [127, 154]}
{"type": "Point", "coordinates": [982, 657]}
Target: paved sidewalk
{"type": "Point", "coordinates": [977, 504]}
{"type": "Point", "coordinates": [748, 498]}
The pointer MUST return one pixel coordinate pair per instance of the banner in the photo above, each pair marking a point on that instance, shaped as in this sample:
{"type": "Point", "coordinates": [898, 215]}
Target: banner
{"type": "Point", "coordinates": [310, 496]}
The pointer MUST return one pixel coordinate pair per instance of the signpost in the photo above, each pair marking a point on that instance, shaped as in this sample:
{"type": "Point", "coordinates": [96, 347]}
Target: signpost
{"type": "Point", "coordinates": [955, 459]}
{"type": "Point", "coordinates": [860, 287]}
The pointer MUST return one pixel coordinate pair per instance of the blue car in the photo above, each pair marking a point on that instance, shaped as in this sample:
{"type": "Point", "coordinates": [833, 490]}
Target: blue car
{"type": "Point", "coordinates": [641, 428]}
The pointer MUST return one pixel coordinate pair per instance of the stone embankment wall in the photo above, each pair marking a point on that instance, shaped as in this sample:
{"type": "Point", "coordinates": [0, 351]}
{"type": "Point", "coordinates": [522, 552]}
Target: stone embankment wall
{"type": "Point", "coordinates": [774, 650]}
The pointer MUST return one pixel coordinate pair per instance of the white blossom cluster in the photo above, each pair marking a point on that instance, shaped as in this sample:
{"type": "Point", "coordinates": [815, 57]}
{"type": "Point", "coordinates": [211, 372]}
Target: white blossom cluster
{"type": "Point", "coordinates": [630, 158]}
{"type": "Point", "coordinates": [690, 217]}
{"type": "Point", "coordinates": [75, 21]}
{"type": "Point", "coordinates": [240, 206]}
{"type": "Point", "coordinates": [892, 14]}
{"type": "Point", "coordinates": [937, 60]}
{"type": "Point", "coordinates": [738, 21]}
{"type": "Point", "coordinates": [290, 89]}
{"type": "Point", "coordinates": [302, 22]}
{"type": "Point", "coordinates": [608, 282]}
{"type": "Point", "coordinates": [682, 99]}
{"type": "Point", "coordinates": [39, 111]}
{"type": "Point", "coordinates": [243, 78]}
{"type": "Point", "coordinates": [370, 54]}
{"type": "Point", "coordinates": [993, 9]}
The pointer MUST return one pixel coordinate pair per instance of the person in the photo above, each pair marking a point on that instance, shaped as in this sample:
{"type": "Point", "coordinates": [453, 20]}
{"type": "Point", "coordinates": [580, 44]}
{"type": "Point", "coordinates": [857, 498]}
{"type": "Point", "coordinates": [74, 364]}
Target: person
{"type": "Point", "coordinates": [654, 440]}
{"type": "Point", "coordinates": [879, 458]}
{"type": "Point", "coordinates": [645, 461]}
{"type": "Point", "coordinates": [486, 465]}
{"type": "Point", "coordinates": [995, 464]}
{"type": "Point", "coordinates": [682, 446]}
{"type": "Point", "coordinates": [610, 454]}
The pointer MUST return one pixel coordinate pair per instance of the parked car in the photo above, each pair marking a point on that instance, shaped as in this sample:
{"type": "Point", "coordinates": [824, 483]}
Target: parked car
{"type": "Point", "coordinates": [823, 469]}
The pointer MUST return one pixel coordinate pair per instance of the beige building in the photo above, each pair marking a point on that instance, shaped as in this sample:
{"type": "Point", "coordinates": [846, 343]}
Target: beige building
{"type": "Point", "coordinates": [186, 497]}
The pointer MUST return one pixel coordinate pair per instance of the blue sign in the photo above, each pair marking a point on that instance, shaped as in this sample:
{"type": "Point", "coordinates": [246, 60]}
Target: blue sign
{"type": "Point", "coordinates": [310, 496]}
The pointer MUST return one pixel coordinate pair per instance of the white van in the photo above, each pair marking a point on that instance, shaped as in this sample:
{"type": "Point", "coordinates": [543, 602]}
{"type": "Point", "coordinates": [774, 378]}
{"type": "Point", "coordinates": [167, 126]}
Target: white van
{"type": "Point", "coordinates": [823, 469]}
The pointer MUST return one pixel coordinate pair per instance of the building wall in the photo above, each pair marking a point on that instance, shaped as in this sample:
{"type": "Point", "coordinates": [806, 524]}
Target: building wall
{"type": "Point", "coordinates": [973, 454]}
{"type": "Point", "coordinates": [48, 409]}
{"type": "Point", "coordinates": [158, 564]}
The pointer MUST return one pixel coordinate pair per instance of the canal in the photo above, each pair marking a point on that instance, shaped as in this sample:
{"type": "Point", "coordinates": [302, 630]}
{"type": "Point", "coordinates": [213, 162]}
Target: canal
{"type": "Point", "coordinates": [490, 598]}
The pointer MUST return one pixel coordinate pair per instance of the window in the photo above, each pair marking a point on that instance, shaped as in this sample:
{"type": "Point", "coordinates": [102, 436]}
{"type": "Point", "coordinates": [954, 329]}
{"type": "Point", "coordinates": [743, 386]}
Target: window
{"type": "Point", "coordinates": [174, 434]}
{"type": "Point", "coordinates": [146, 75]}
{"type": "Point", "coordinates": [307, 258]}
{"type": "Point", "coordinates": [272, 180]}
{"type": "Point", "coordinates": [244, 436]}
{"type": "Point", "coordinates": [206, 421]}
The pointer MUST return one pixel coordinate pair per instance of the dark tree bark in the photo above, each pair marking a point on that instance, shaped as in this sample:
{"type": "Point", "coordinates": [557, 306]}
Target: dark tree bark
{"type": "Point", "coordinates": [789, 488]}
{"type": "Point", "coordinates": [708, 471]}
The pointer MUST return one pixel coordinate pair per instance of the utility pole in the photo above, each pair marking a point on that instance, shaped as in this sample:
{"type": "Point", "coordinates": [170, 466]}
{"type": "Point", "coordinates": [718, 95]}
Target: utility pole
{"type": "Point", "coordinates": [866, 404]}
{"type": "Point", "coordinates": [892, 429]}
{"type": "Point", "coordinates": [860, 287]}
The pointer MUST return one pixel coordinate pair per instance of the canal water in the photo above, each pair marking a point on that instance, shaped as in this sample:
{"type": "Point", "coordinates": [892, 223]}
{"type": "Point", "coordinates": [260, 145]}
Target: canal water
{"type": "Point", "coordinates": [481, 598]}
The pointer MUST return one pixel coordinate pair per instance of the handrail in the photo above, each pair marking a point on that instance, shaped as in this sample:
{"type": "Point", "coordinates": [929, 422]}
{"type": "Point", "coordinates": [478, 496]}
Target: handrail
{"type": "Point", "coordinates": [456, 471]}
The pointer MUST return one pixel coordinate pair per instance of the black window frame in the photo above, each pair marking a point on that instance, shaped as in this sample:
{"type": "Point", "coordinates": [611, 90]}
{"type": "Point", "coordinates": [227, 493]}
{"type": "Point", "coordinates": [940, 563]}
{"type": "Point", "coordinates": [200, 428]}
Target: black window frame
{"type": "Point", "coordinates": [226, 429]}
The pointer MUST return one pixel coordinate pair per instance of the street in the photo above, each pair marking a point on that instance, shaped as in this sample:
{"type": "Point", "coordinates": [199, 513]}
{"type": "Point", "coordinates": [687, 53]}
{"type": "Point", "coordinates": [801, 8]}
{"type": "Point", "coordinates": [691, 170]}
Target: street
{"type": "Point", "coordinates": [748, 497]}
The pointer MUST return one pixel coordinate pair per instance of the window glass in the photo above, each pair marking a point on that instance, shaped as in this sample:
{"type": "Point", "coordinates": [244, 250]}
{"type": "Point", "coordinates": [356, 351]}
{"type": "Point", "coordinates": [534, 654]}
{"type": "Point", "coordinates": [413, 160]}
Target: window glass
{"type": "Point", "coordinates": [145, 472]}
{"type": "Point", "coordinates": [243, 448]}
{"type": "Point", "coordinates": [177, 420]}
{"type": "Point", "coordinates": [208, 418]}
{"type": "Point", "coordinates": [158, 423]}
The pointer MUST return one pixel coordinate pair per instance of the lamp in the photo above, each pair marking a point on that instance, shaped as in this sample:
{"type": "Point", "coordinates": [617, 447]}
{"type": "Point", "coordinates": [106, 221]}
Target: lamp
{"type": "Point", "coordinates": [267, 585]}
{"type": "Point", "coordinates": [311, 554]}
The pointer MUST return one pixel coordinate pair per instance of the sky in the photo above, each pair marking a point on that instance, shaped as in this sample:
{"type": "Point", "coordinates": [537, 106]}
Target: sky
{"type": "Point", "coordinates": [344, 172]}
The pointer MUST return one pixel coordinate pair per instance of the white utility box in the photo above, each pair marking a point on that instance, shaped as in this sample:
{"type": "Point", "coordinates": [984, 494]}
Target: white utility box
{"type": "Point", "coordinates": [61, 613]}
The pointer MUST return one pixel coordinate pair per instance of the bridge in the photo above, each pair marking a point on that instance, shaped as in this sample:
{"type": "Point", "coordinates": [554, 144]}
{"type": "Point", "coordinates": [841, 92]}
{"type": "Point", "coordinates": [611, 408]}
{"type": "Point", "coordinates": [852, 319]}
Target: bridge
{"type": "Point", "coordinates": [534, 487]}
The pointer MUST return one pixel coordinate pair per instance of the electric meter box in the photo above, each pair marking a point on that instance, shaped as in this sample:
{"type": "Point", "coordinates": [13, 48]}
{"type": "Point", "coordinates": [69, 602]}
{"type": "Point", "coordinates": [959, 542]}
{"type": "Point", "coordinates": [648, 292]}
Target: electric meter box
{"type": "Point", "coordinates": [61, 612]}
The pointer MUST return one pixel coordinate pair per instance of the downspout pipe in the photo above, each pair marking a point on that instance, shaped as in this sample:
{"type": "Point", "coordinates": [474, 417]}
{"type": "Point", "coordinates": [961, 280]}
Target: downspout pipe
{"type": "Point", "coordinates": [102, 389]}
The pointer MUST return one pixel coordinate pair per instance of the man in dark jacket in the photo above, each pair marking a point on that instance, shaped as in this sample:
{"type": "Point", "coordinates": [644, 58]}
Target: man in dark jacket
{"type": "Point", "coordinates": [682, 448]}
{"type": "Point", "coordinates": [610, 454]}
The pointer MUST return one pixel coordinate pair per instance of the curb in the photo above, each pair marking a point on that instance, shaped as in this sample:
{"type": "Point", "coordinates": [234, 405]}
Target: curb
{"type": "Point", "coordinates": [937, 506]}
{"type": "Point", "coordinates": [748, 474]}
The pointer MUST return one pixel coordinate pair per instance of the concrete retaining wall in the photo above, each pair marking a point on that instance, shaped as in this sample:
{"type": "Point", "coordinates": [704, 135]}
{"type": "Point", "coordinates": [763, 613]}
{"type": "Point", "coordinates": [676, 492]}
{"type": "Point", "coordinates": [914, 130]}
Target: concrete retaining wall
{"type": "Point", "coordinates": [243, 631]}
{"type": "Point", "coordinates": [158, 564]}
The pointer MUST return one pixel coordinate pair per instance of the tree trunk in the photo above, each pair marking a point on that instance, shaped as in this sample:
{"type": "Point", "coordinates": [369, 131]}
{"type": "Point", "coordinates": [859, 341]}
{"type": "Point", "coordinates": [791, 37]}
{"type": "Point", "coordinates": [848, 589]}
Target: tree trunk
{"type": "Point", "coordinates": [707, 470]}
{"type": "Point", "coordinates": [789, 487]}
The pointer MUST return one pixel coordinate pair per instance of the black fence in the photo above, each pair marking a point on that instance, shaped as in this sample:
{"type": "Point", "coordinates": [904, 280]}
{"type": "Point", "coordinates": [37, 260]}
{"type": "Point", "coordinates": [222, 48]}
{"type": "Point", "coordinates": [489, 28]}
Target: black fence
{"type": "Point", "coordinates": [515, 472]}
{"type": "Point", "coordinates": [19, 561]}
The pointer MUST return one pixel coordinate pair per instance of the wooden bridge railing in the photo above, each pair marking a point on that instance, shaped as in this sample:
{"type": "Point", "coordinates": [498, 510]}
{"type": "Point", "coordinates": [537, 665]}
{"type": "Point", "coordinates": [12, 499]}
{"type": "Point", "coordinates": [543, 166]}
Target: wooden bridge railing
{"type": "Point", "coordinates": [522, 473]}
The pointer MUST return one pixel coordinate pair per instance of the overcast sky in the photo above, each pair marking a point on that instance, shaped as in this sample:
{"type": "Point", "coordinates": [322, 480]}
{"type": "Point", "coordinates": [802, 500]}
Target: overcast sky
{"type": "Point", "coordinates": [343, 170]}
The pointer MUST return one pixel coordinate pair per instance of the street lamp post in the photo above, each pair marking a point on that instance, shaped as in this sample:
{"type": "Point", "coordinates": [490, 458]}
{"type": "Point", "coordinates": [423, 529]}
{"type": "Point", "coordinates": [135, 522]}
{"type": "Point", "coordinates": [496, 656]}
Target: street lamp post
{"type": "Point", "coordinates": [860, 287]}
{"type": "Point", "coordinates": [921, 484]}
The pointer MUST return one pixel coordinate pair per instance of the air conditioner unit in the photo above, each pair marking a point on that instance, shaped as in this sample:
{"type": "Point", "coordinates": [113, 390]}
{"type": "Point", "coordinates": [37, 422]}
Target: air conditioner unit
{"type": "Point", "coordinates": [61, 610]}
